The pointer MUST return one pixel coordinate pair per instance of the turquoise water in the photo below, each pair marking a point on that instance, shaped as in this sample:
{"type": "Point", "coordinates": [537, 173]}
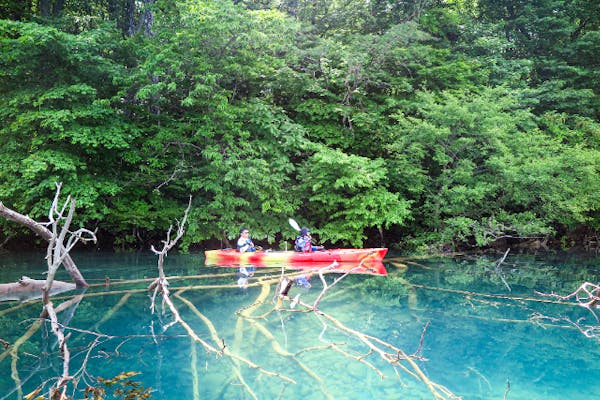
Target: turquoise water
{"type": "Point", "coordinates": [479, 331]}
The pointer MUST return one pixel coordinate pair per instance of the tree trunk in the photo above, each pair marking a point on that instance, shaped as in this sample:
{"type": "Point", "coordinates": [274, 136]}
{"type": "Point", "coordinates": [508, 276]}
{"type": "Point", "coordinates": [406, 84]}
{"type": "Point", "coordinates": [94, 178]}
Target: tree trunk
{"type": "Point", "coordinates": [27, 289]}
{"type": "Point", "coordinates": [128, 24]}
{"type": "Point", "coordinates": [147, 19]}
{"type": "Point", "coordinates": [57, 8]}
{"type": "Point", "coordinates": [44, 8]}
{"type": "Point", "coordinates": [47, 235]}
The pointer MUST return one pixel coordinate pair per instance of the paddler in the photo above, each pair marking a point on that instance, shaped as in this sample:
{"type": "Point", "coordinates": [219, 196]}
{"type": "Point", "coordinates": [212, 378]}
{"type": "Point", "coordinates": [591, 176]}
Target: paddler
{"type": "Point", "coordinates": [304, 242]}
{"type": "Point", "coordinates": [244, 243]}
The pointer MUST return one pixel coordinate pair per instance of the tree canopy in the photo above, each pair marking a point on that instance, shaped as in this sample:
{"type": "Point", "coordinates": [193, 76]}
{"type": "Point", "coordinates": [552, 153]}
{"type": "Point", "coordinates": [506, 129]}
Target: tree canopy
{"type": "Point", "coordinates": [415, 124]}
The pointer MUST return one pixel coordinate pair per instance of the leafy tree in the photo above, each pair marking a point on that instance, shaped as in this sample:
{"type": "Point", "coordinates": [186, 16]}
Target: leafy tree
{"type": "Point", "coordinates": [348, 193]}
{"type": "Point", "coordinates": [200, 97]}
{"type": "Point", "coordinates": [345, 92]}
{"type": "Point", "coordinates": [552, 33]}
{"type": "Point", "coordinates": [488, 171]}
{"type": "Point", "coordinates": [331, 18]}
{"type": "Point", "coordinates": [468, 120]}
{"type": "Point", "coordinates": [59, 123]}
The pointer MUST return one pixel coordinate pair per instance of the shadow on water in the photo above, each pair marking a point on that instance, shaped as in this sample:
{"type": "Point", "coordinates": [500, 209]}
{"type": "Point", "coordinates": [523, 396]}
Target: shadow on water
{"type": "Point", "coordinates": [473, 326]}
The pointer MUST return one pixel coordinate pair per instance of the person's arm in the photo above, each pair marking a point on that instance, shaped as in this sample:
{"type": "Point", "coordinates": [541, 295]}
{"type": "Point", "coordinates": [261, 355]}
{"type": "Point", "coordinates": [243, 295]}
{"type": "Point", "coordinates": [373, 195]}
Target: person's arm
{"type": "Point", "coordinates": [249, 246]}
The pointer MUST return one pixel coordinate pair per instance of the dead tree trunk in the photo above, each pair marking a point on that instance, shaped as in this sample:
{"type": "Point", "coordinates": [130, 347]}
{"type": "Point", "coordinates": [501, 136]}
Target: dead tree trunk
{"type": "Point", "coordinates": [27, 289]}
{"type": "Point", "coordinates": [161, 285]}
{"type": "Point", "coordinates": [62, 240]}
{"type": "Point", "coordinates": [45, 233]}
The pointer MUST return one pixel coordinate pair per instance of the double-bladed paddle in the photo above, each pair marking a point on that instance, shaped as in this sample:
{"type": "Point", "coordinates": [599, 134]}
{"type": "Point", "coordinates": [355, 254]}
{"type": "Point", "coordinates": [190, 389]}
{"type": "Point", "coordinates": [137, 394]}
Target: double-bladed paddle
{"type": "Point", "coordinates": [294, 224]}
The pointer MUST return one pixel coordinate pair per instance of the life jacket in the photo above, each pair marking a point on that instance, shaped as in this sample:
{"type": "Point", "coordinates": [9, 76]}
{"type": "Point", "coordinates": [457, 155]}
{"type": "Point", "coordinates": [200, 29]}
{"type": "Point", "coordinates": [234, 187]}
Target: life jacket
{"type": "Point", "coordinates": [248, 246]}
{"type": "Point", "coordinates": [303, 244]}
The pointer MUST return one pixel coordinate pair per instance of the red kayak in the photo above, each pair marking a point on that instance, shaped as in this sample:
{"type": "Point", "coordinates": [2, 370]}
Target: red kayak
{"type": "Point", "coordinates": [355, 260]}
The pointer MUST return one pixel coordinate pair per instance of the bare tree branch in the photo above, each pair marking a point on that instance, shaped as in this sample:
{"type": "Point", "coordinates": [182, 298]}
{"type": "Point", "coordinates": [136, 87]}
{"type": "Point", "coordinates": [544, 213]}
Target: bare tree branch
{"type": "Point", "coordinates": [587, 295]}
{"type": "Point", "coordinates": [56, 254]}
{"type": "Point", "coordinates": [41, 230]}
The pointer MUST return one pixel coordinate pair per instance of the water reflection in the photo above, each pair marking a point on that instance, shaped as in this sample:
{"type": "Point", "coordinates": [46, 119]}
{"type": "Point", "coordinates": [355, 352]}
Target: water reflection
{"type": "Point", "coordinates": [456, 317]}
{"type": "Point", "coordinates": [245, 274]}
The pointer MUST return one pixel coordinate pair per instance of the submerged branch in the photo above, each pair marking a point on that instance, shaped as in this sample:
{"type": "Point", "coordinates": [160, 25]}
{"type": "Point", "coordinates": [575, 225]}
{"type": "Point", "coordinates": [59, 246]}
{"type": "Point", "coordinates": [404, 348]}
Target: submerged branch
{"type": "Point", "coordinates": [386, 351]}
{"type": "Point", "coordinates": [498, 270]}
{"type": "Point", "coordinates": [224, 349]}
{"type": "Point", "coordinates": [56, 255]}
{"type": "Point", "coordinates": [587, 295]}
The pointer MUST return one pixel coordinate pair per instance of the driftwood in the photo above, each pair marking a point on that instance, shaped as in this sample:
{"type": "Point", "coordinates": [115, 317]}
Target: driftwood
{"type": "Point", "coordinates": [26, 289]}
{"type": "Point", "coordinates": [46, 234]}
{"type": "Point", "coordinates": [62, 241]}
{"type": "Point", "coordinates": [587, 295]}
{"type": "Point", "coordinates": [161, 286]}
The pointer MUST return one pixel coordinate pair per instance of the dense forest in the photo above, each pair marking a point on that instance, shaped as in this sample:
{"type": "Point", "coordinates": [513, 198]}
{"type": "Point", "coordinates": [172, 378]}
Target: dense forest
{"type": "Point", "coordinates": [423, 124]}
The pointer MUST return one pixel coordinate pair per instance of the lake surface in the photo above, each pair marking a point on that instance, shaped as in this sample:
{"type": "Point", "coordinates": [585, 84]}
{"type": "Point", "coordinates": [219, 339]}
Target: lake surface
{"type": "Point", "coordinates": [471, 328]}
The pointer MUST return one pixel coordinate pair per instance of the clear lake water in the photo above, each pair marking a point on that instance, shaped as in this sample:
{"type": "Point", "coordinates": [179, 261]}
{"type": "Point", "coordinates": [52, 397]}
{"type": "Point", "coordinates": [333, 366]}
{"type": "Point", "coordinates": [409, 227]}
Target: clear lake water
{"type": "Point", "coordinates": [471, 328]}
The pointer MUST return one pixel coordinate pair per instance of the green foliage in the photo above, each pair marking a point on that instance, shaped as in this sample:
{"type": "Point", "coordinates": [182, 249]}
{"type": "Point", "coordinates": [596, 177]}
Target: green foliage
{"type": "Point", "coordinates": [328, 17]}
{"type": "Point", "coordinates": [492, 172]}
{"type": "Point", "coordinates": [59, 122]}
{"type": "Point", "coordinates": [557, 36]}
{"type": "Point", "coordinates": [441, 123]}
{"type": "Point", "coordinates": [348, 193]}
{"type": "Point", "coordinates": [225, 144]}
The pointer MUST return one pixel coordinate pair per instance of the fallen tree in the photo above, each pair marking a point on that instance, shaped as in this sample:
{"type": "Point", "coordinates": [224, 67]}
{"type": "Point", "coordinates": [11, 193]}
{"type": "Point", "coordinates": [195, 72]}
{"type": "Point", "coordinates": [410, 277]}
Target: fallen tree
{"type": "Point", "coordinates": [61, 240]}
{"type": "Point", "coordinates": [26, 289]}
{"type": "Point", "coordinates": [41, 230]}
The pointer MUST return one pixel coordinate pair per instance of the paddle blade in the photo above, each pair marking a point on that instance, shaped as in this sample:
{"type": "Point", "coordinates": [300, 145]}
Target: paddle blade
{"type": "Point", "coordinates": [294, 224]}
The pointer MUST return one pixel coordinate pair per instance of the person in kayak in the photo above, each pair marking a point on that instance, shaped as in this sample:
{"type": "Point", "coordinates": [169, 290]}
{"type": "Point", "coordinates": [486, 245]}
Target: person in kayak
{"type": "Point", "coordinates": [244, 243]}
{"type": "Point", "coordinates": [304, 242]}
